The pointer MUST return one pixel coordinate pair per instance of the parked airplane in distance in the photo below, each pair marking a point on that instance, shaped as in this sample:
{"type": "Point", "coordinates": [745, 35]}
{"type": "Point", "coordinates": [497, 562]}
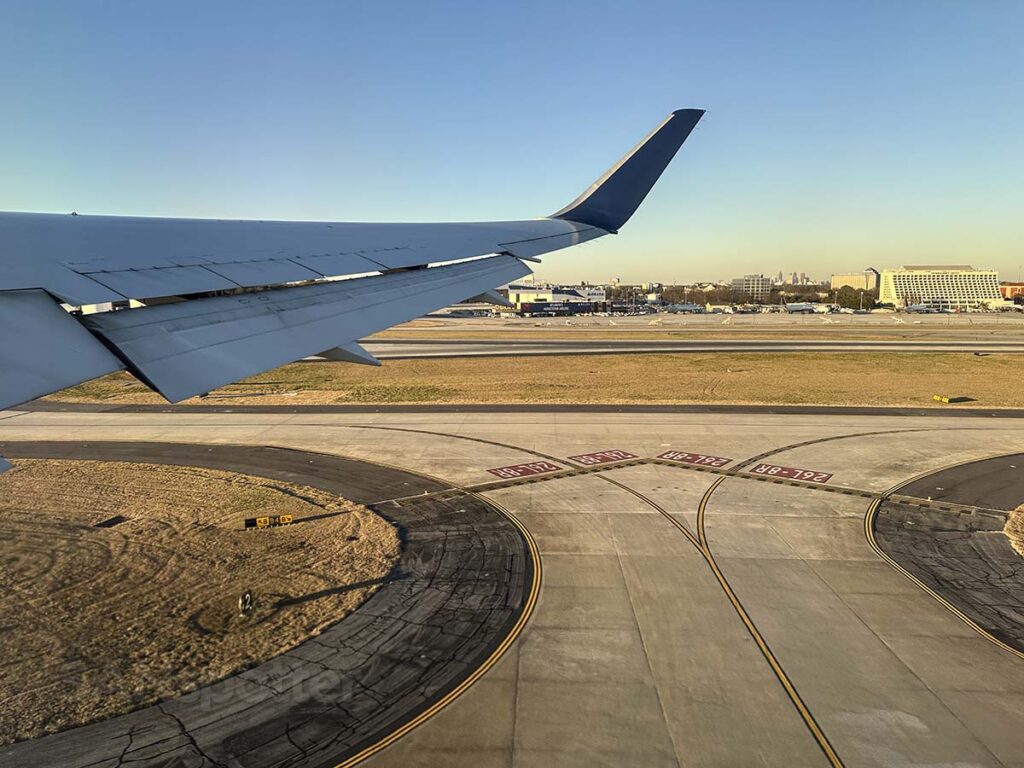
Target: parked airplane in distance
{"type": "Point", "coordinates": [806, 308]}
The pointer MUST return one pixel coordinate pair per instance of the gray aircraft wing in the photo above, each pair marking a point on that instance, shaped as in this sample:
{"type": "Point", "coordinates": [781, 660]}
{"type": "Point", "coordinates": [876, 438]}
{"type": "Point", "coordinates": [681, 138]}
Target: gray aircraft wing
{"type": "Point", "coordinates": [227, 299]}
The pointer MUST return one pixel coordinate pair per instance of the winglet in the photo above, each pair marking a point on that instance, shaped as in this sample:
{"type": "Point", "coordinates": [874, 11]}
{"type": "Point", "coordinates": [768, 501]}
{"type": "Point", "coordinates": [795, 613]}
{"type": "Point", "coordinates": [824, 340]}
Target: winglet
{"type": "Point", "coordinates": [612, 199]}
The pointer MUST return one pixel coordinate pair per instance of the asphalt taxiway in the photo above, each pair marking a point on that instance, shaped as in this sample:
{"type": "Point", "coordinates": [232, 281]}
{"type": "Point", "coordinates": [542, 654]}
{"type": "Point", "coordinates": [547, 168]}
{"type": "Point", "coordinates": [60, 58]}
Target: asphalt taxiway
{"type": "Point", "coordinates": [715, 591]}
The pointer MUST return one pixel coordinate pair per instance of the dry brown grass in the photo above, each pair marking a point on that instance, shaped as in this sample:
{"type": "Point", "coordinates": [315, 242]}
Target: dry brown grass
{"type": "Point", "coordinates": [1014, 529]}
{"type": "Point", "coordinates": [99, 621]}
{"type": "Point", "coordinates": [907, 379]}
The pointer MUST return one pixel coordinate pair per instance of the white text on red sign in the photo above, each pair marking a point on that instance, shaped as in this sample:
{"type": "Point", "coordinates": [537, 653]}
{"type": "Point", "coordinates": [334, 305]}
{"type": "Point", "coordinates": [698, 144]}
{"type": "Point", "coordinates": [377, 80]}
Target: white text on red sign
{"type": "Point", "coordinates": [603, 457]}
{"type": "Point", "coordinates": [524, 470]}
{"type": "Point", "coordinates": [695, 458]}
{"type": "Point", "coordinates": [792, 473]}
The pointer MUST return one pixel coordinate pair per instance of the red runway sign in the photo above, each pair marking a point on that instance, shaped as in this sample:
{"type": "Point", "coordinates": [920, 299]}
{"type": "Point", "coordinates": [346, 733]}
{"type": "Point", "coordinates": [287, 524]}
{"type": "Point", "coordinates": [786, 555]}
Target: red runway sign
{"type": "Point", "coordinates": [695, 458]}
{"type": "Point", "coordinates": [603, 457]}
{"type": "Point", "coordinates": [809, 475]}
{"type": "Point", "coordinates": [524, 470]}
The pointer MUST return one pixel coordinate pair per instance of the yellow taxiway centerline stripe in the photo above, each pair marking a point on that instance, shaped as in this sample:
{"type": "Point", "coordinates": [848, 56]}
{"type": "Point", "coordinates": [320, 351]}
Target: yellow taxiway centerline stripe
{"type": "Point", "coordinates": [700, 542]}
{"type": "Point", "coordinates": [506, 643]}
{"type": "Point", "coordinates": [869, 533]}
{"type": "Point", "coordinates": [755, 633]}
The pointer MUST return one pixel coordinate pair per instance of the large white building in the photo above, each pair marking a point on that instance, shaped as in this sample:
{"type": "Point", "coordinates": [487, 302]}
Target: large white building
{"type": "Point", "coordinates": [956, 287]}
{"type": "Point", "coordinates": [531, 294]}
{"type": "Point", "coordinates": [519, 294]}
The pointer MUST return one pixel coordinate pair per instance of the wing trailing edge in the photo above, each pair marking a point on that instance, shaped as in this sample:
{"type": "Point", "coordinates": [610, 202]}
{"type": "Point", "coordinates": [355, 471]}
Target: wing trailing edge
{"type": "Point", "coordinates": [191, 347]}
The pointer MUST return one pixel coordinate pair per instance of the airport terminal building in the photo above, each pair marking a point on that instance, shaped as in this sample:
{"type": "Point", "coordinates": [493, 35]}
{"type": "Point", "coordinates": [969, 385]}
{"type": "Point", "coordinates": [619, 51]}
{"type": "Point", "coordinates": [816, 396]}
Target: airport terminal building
{"type": "Point", "coordinates": [555, 299]}
{"type": "Point", "coordinates": [958, 287]}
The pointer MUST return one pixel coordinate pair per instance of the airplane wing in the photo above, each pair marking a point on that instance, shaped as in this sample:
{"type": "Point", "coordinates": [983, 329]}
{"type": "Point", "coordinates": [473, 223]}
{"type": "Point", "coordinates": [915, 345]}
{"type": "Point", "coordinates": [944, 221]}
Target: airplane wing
{"type": "Point", "coordinates": [228, 299]}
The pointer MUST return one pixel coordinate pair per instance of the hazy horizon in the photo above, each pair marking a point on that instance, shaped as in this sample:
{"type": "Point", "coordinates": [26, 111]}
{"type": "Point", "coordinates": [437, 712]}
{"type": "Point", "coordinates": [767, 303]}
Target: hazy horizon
{"type": "Point", "coordinates": [837, 137]}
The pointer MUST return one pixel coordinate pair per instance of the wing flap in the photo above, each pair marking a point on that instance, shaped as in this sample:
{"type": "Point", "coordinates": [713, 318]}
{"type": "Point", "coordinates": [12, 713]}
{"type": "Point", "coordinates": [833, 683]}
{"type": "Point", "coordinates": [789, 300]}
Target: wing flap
{"type": "Point", "coordinates": [45, 349]}
{"type": "Point", "coordinates": [164, 281]}
{"type": "Point", "coordinates": [251, 273]}
{"type": "Point", "coordinates": [333, 265]}
{"type": "Point", "coordinates": [192, 347]}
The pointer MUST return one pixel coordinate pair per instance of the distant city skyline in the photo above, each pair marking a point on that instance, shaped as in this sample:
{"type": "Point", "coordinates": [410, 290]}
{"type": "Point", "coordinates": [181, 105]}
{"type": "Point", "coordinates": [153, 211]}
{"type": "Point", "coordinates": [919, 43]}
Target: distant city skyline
{"type": "Point", "coordinates": [786, 277]}
{"type": "Point", "coordinates": [539, 277]}
{"type": "Point", "coordinates": [838, 136]}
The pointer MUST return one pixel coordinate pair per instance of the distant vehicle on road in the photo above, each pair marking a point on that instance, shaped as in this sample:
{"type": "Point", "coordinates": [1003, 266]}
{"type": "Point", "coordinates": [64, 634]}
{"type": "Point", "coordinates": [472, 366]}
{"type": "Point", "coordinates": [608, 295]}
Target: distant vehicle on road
{"type": "Point", "coordinates": [806, 308]}
{"type": "Point", "coordinates": [686, 309]}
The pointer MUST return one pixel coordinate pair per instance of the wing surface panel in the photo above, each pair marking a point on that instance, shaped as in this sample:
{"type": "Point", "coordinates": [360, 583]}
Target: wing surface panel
{"type": "Point", "coordinates": [249, 273]}
{"type": "Point", "coordinates": [527, 249]}
{"type": "Point", "coordinates": [164, 281]}
{"type": "Point", "coordinates": [116, 258]}
{"type": "Point", "coordinates": [339, 264]}
{"type": "Point", "coordinates": [191, 347]}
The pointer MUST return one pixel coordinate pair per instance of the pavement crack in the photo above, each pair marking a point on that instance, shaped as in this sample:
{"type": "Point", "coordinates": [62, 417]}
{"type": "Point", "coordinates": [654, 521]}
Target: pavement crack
{"type": "Point", "coordinates": [288, 735]}
{"type": "Point", "coordinates": [190, 738]}
{"type": "Point", "coordinates": [127, 748]}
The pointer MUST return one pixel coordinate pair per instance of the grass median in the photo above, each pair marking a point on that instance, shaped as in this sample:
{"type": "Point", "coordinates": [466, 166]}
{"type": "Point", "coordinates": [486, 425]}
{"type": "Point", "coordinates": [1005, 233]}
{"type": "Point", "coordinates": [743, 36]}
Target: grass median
{"type": "Point", "coordinates": [841, 378]}
{"type": "Point", "coordinates": [109, 617]}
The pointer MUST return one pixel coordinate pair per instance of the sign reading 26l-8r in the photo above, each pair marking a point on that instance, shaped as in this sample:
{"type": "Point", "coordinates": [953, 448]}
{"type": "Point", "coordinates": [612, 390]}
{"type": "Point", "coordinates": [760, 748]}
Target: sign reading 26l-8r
{"type": "Point", "coordinates": [792, 473]}
{"type": "Point", "coordinates": [699, 459]}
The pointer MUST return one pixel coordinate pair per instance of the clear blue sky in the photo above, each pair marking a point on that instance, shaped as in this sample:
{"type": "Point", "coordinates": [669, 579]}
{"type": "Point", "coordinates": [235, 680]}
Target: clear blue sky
{"type": "Point", "coordinates": [838, 135]}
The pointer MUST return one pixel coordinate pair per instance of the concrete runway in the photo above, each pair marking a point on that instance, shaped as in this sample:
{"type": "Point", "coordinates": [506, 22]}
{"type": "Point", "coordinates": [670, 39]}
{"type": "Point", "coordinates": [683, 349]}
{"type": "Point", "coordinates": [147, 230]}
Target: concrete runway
{"type": "Point", "coordinates": [732, 611]}
{"type": "Point", "coordinates": [396, 349]}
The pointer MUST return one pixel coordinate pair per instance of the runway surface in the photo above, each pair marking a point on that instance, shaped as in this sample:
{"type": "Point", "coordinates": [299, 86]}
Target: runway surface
{"type": "Point", "coordinates": [721, 605]}
{"type": "Point", "coordinates": [224, 404]}
{"type": "Point", "coordinates": [394, 349]}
